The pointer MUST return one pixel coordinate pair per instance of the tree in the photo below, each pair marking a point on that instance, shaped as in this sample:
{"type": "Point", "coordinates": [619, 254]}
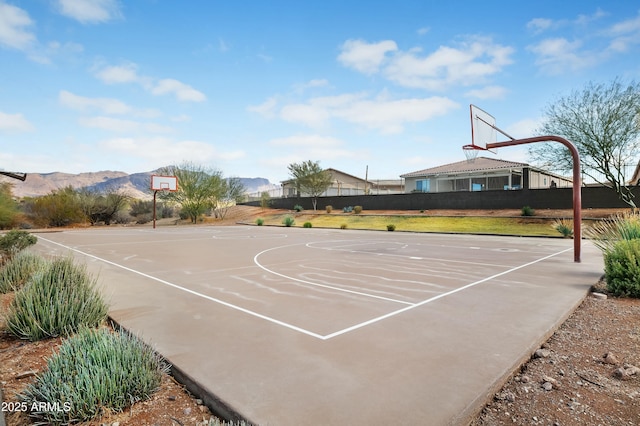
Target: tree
{"type": "Point", "coordinates": [102, 206]}
{"type": "Point", "coordinates": [61, 207]}
{"type": "Point", "coordinates": [602, 121]}
{"type": "Point", "coordinates": [233, 193]}
{"type": "Point", "coordinates": [199, 188]}
{"type": "Point", "coordinates": [8, 207]}
{"type": "Point", "coordinates": [310, 179]}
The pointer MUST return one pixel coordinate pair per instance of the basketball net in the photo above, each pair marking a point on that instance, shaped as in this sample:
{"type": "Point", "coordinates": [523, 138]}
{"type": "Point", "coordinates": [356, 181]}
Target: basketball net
{"type": "Point", "coordinates": [471, 152]}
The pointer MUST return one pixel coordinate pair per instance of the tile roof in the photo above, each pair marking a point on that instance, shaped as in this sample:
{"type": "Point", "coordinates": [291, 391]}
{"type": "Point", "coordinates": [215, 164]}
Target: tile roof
{"type": "Point", "coordinates": [479, 164]}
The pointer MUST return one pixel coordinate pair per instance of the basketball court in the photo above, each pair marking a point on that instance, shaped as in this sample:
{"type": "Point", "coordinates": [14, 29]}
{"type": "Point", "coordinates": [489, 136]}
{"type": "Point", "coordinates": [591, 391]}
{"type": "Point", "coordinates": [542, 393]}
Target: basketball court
{"type": "Point", "coordinates": [292, 326]}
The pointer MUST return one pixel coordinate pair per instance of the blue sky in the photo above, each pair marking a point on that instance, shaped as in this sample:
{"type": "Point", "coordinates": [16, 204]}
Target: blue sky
{"type": "Point", "coordinates": [248, 87]}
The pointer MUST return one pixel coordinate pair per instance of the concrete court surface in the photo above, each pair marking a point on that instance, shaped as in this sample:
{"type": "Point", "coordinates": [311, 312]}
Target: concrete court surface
{"type": "Point", "coordinates": [292, 326]}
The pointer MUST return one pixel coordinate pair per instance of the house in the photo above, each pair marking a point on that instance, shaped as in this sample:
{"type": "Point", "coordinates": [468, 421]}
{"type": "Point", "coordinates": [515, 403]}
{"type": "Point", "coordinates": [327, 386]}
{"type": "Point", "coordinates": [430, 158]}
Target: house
{"type": "Point", "coordinates": [482, 174]}
{"type": "Point", "coordinates": [346, 184]}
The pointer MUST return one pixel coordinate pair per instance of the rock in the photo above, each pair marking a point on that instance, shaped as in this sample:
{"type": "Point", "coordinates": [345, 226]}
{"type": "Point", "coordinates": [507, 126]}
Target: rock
{"type": "Point", "coordinates": [199, 401]}
{"type": "Point", "coordinates": [506, 396]}
{"type": "Point", "coordinates": [547, 386]}
{"type": "Point", "coordinates": [525, 379]}
{"type": "Point", "coordinates": [542, 353]}
{"type": "Point", "coordinates": [610, 358]}
{"type": "Point", "coordinates": [26, 374]}
{"type": "Point", "coordinates": [187, 411]}
{"type": "Point", "coordinates": [626, 372]}
{"type": "Point", "coordinates": [171, 397]}
{"type": "Point", "coordinates": [551, 380]}
{"type": "Point", "coordinates": [597, 295]}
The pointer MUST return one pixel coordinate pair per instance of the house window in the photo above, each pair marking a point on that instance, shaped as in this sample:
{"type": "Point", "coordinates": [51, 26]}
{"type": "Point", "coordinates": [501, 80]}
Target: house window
{"type": "Point", "coordinates": [422, 185]}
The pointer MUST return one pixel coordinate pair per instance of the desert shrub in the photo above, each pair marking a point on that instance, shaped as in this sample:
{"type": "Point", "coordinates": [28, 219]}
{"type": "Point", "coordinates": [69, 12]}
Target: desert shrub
{"type": "Point", "coordinates": [94, 372]}
{"type": "Point", "coordinates": [61, 207]}
{"type": "Point", "coordinates": [606, 233]}
{"type": "Point", "coordinates": [288, 221]}
{"type": "Point", "coordinates": [307, 225]}
{"type": "Point", "coordinates": [527, 211]}
{"type": "Point", "coordinates": [9, 214]}
{"type": "Point", "coordinates": [564, 227]}
{"type": "Point", "coordinates": [141, 219]}
{"type": "Point", "coordinates": [622, 268]}
{"type": "Point", "coordinates": [357, 209]}
{"type": "Point", "coordinates": [15, 241]}
{"type": "Point", "coordinates": [18, 270]}
{"type": "Point", "coordinates": [259, 221]}
{"type": "Point", "coordinates": [58, 300]}
{"type": "Point", "coordinates": [298, 208]}
{"type": "Point", "coordinates": [347, 209]}
{"type": "Point", "coordinates": [329, 209]}
{"type": "Point", "coordinates": [391, 227]}
{"type": "Point", "coordinates": [343, 226]}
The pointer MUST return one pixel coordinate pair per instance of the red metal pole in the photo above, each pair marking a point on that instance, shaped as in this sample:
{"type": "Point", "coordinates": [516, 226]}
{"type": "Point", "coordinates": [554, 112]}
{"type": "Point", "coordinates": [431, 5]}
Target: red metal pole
{"type": "Point", "coordinates": [577, 184]}
{"type": "Point", "coordinates": [154, 209]}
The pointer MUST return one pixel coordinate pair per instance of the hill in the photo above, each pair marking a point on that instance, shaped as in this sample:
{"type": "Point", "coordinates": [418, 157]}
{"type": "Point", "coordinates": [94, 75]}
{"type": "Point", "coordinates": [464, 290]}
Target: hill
{"type": "Point", "coordinates": [136, 184]}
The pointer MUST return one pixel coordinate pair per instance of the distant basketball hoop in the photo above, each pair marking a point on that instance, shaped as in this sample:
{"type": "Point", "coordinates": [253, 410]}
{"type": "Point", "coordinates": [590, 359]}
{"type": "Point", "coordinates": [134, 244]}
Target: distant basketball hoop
{"type": "Point", "coordinates": [162, 183]}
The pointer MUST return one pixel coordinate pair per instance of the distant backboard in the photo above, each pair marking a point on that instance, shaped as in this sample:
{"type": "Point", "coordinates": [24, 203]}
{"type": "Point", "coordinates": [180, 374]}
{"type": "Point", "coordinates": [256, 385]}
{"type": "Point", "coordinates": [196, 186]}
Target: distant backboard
{"type": "Point", "coordinates": [483, 128]}
{"type": "Point", "coordinates": [164, 183]}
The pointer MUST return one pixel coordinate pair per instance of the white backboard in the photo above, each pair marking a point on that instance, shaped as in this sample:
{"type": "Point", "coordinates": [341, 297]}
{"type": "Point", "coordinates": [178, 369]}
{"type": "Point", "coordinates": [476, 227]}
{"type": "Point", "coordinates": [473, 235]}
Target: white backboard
{"type": "Point", "coordinates": [483, 130]}
{"type": "Point", "coordinates": [164, 183]}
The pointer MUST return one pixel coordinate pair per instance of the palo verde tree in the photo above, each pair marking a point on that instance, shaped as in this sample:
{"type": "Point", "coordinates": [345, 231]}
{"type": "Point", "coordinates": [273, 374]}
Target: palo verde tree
{"type": "Point", "coordinates": [8, 207]}
{"type": "Point", "coordinates": [199, 188]}
{"type": "Point", "coordinates": [102, 206]}
{"type": "Point", "coordinates": [233, 192]}
{"type": "Point", "coordinates": [310, 179]}
{"type": "Point", "coordinates": [602, 121]}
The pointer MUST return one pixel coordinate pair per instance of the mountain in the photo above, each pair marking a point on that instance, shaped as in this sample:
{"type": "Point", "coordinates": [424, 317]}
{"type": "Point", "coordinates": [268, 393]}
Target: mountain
{"type": "Point", "coordinates": [136, 184]}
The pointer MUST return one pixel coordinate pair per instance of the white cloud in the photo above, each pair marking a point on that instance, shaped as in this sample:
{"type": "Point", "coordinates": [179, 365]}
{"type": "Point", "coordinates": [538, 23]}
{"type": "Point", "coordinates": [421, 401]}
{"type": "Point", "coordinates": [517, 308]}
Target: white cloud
{"type": "Point", "coordinates": [557, 55]}
{"type": "Point", "coordinates": [538, 25]}
{"type": "Point", "coordinates": [105, 105]}
{"type": "Point", "coordinates": [266, 109]}
{"type": "Point", "coordinates": [310, 115]}
{"type": "Point", "coordinates": [381, 113]}
{"type": "Point", "coordinates": [182, 91]}
{"type": "Point", "coordinates": [625, 34]}
{"type": "Point", "coordinates": [306, 141]}
{"type": "Point", "coordinates": [423, 30]}
{"type": "Point", "coordinates": [525, 128]}
{"type": "Point", "coordinates": [365, 57]}
{"type": "Point", "coordinates": [303, 147]}
{"type": "Point", "coordinates": [90, 11]}
{"type": "Point", "coordinates": [471, 62]}
{"type": "Point", "coordinates": [391, 116]}
{"type": "Point", "coordinates": [127, 73]}
{"type": "Point", "coordinates": [488, 92]}
{"type": "Point", "coordinates": [14, 25]}
{"type": "Point", "coordinates": [14, 123]}
{"type": "Point", "coordinates": [123, 126]}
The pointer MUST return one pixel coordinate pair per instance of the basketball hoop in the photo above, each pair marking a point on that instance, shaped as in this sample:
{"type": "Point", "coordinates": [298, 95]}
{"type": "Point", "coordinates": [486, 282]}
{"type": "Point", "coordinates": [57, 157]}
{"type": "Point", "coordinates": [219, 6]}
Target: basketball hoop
{"type": "Point", "coordinates": [471, 152]}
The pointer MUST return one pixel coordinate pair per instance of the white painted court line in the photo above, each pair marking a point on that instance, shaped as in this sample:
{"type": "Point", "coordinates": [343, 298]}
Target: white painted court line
{"type": "Point", "coordinates": [296, 328]}
{"type": "Point", "coordinates": [195, 293]}
{"type": "Point", "coordinates": [440, 296]}
{"type": "Point", "coordinates": [311, 283]}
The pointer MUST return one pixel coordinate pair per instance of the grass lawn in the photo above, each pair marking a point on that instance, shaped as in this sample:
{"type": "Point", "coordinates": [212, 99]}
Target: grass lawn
{"type": "Point", "coordinates": [524, 226]}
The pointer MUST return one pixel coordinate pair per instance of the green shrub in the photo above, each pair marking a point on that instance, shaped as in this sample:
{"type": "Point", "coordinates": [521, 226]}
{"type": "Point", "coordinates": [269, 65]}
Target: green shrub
{"type": "Point", "coordinates": [298, 208]}
{"type": "Point", "coordinates": [58, 300]}
{"type": "Point", "coordinates": [357, 209]}
{"type": "Point", "coordinates": [19, 269]}
{"type": "Point", "coordinates": [391, 227]}
{"type": "Point", "coordinates": [527, 211]}
{"type": "Point", "coordinates": [564, 227]}
{"type": "Point", "coordinates": [622, 268]}
{"type": "Point", "coordinates": [94, 372]}
{"type": "Point", "coordinates": [606, 233]}
{"type": "Point", "coordinates": [14, 241]}
{"type": "Point", "coordinates": [329, 209]}
{"type": "Point", "coordinates": [343, 226]}
{"type": "Point", "coordinates": [307, 225]}
{"type": "Point", "coordinates": [288, 221]}
{"type": "Point", "coordinates": [259, 221]}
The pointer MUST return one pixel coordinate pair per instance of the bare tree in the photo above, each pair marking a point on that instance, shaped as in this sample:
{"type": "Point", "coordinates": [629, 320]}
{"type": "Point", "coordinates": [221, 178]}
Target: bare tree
{"type": "Point", "coordinates": [233, 193]}
{"type": "Point", "coordinates": [602, 120]}
{"type": "Point", "coordinates": [309, 178]}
